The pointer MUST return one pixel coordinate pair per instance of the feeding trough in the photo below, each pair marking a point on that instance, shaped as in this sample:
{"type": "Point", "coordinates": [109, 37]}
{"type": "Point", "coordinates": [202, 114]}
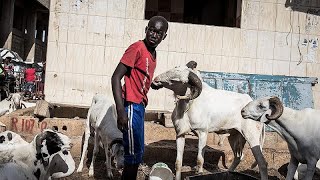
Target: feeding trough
{"type": "Point", "coordinates": [222, 176]}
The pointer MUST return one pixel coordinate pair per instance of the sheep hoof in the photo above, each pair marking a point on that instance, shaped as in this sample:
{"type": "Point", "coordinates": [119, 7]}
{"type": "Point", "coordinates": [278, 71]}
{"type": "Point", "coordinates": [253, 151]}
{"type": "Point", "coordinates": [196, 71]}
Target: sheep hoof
{"type": "Point", "coordinates": [90, 172]}
{"type": "Point", "coordinates": [79, 170]}
{"type": "Point", "coordinates": [110, 175]}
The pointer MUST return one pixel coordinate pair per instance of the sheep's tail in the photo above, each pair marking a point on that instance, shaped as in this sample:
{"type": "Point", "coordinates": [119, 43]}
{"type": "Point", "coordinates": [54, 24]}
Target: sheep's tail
{"type": "Point", "coordinates": [95, 100]}
{"type": "Point", "coordinates": [262, 138]}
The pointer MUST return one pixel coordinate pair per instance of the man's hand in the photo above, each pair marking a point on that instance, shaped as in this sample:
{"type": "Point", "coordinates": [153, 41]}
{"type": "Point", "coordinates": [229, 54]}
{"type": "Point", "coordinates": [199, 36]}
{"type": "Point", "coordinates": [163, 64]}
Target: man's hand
{"type": "Point", "coordinates": [122, 121]}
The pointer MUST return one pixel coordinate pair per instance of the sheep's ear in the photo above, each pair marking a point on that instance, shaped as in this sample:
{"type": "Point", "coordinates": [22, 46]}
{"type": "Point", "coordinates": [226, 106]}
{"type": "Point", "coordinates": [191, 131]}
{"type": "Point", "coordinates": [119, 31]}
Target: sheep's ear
{"type": "Point", "coordinates": [192, 64]}
{"type": "Point", "coordinates": [9, 97]}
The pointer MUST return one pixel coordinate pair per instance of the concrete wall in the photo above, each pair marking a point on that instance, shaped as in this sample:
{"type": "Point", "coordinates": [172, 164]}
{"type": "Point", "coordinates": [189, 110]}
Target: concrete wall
{"type": "Point", "coordinates": [87, 39]}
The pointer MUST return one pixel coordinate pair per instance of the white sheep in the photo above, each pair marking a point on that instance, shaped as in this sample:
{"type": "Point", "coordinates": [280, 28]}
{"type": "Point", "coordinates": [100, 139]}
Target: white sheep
{"type": "Point", "coordinates": [47, 156]}
{"type": "Point", "coordinates": [15, 171]}
{"type": "Point", "coordinates": [17, 102]}
{"type": "Point", "coordinates": [299, 128]}
{"type": "Point", "coordinates": [102, 121]}
{"type": "Point", "coordinates": [204, 110]}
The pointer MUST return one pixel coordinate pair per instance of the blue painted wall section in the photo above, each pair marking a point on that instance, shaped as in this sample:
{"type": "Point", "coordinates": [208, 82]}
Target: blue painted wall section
{"type": "Point", "coordinates": [295, 92]}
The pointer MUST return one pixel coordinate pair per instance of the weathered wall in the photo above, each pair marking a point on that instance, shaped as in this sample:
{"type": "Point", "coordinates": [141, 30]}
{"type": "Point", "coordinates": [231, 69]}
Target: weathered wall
{"type": "Point", "coordinates": [87, 39]}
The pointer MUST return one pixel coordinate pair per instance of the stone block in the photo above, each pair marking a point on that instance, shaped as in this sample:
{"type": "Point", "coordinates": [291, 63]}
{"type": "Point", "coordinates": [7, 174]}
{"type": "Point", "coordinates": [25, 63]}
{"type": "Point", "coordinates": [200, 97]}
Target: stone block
{"type": "Point", "coordinates": [31, 126]}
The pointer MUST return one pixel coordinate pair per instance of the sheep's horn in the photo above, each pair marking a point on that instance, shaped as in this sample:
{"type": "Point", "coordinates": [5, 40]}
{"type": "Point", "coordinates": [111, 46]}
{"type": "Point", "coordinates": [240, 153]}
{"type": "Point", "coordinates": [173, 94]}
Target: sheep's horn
{"type": "Point", "coordinates": [276, 108]}
{"type": "Point", "coordinates": [196, 85]}
{"type": "Point", "coordinates": [192, 64]}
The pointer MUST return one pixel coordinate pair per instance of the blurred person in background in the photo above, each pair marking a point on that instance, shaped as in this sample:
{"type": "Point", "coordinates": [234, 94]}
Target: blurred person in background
{"type": "Point", "coordinates": [30, 78]}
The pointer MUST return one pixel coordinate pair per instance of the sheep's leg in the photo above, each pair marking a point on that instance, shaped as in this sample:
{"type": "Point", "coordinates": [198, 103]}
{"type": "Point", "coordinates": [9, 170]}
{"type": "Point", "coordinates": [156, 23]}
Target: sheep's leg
{"type": "Point", "coordinates": [95, 153]}
{"type": "Point", "coordinates": [262, 164]}
{"type": "Point", "coordinates": [222, 137]}
{"type": "Point", "coordinates": [311, 168]}
{"type": "Point", "coordinates": [180, 148]}
{"type": "Point", "coordinates": [85, 147]}
{"type": "Point", "coordinates": [108, 162]}
{"type": "Point", "coordinates": [202, 143]}
{"type": "Point", "coordinates": [292, 167]}
{"type": "Point", "coordinates": [300, 172]}
{"type": "Point", "coordinates": [254, 134]}
{"type": "Point", "coordinates": [302, 169]}
{"type": "Point", "coordinates": [237, 142]}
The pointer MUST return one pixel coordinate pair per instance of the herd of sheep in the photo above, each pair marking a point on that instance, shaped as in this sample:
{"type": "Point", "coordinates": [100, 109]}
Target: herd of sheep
{"type": "Point", "coordinates": [199, 109]}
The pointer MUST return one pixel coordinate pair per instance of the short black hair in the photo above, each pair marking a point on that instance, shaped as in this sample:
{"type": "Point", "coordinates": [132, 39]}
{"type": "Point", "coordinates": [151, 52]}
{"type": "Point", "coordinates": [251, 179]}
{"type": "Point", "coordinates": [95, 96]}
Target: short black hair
{"type": "Point", "coordinates": [159, 18]}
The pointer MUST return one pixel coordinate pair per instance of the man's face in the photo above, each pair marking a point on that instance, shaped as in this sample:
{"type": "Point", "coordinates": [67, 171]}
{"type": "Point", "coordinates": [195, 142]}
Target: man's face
{"type": "Point", "coordinates": [155, 33]}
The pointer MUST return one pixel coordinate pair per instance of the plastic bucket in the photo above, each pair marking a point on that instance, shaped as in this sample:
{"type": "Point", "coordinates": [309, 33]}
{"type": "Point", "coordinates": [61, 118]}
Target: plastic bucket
{"type": "Point", "coordinates": [160, 171]}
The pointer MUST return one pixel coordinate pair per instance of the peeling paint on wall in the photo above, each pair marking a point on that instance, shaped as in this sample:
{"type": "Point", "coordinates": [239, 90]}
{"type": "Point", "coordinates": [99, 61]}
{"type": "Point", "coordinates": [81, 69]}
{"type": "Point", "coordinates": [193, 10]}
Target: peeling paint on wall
{"type": "Point", "coordinates": [295, 92]}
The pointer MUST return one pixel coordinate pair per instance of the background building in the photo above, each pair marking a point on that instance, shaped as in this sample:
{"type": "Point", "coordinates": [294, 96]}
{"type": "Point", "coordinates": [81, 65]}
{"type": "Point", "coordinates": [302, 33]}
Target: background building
{"type": "Point", "coordinates": [87, 38]}
{"type": "Point", "coordinates": [24, 28]}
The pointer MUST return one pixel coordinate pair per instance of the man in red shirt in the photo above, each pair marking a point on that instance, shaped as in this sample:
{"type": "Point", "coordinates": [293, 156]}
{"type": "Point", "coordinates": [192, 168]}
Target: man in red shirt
{"type": "Point", "coordinates": [30, 77]}
{"type": "Point", "coordinates": [137, 66]}
{"type": "Point", "coordinates": [30, 74]}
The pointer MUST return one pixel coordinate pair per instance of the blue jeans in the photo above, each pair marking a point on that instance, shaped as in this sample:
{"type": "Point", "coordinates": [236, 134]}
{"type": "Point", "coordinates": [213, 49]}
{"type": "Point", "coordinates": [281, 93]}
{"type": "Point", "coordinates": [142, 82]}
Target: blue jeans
{"type": "Point", "coordinates": [29, 87]}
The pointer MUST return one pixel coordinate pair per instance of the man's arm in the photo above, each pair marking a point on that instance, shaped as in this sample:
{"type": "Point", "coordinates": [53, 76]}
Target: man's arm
{"type": "Point", "coordinates": [118, 74]}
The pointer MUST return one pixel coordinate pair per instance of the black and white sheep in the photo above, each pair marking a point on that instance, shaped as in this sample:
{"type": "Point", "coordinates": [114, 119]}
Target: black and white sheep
{"type": "Point", "coordinates": [102, 122]}
{"type": "Point", "coordinates": [47, 156]}
{"type": "Point", "coordinates": [9, 139]}
{"type": "Point", "coordinates": [299, 128]}
{"type": "Point", "coordinates": [202, 109]}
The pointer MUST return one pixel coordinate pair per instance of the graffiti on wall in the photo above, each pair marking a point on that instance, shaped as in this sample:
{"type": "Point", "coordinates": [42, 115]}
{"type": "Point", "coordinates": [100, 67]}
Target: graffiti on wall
{"type": "Point", "coordinates": [312, 20]}
{"type": "Point", "coordinates": [308, 11]}
{"type": "Point", "coordinates": [312, 45]}
{"type": "Point", "coordinates": [27, 125]}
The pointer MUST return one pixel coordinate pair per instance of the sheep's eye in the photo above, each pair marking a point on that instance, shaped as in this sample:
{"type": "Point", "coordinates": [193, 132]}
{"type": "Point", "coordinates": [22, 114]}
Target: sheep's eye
{"type": "Point", "coordinates": [261, 106]}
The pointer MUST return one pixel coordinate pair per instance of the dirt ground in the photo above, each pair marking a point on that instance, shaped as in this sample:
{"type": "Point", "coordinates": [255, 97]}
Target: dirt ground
{"type": "Point", "coordinates": [160, 147]}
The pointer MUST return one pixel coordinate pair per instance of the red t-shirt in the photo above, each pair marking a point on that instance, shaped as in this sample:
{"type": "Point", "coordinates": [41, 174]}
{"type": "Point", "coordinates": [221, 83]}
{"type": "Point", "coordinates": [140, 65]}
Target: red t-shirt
{"type": "Point", "coordinates": [30, 74]}
{"type": "Point", "coordinates": [138, 81]}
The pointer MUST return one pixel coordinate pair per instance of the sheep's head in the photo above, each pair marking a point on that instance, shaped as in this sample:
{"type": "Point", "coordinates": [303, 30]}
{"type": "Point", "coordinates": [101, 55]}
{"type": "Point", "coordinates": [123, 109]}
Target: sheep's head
{"type": "Point", "coordinates": [16, 98]}
{"type": "Point", "coordinates": [53, 153]}
{"type": "Point", "coordinates": [117, 153]}
{"type": "Point", "coordinates": [179, 79]}
{"type": "Point", "coordinates": [272, 107]}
